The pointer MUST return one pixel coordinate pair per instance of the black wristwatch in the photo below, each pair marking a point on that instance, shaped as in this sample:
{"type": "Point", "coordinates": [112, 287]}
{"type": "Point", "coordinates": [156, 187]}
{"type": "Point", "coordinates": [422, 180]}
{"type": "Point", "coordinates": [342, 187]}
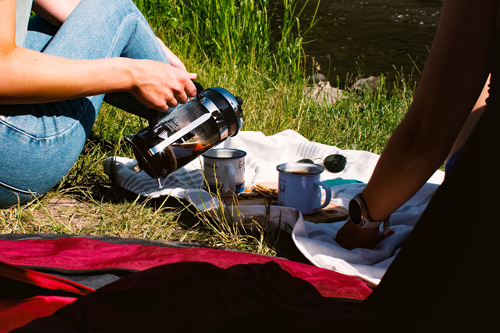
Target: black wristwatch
{"type": "Point", "coordinates": [358, 214]}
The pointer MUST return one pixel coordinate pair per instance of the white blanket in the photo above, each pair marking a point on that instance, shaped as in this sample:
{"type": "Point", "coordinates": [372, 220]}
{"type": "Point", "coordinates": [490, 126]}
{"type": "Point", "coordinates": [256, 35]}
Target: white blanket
{"type": "Point", "coordinates": [315, 241]}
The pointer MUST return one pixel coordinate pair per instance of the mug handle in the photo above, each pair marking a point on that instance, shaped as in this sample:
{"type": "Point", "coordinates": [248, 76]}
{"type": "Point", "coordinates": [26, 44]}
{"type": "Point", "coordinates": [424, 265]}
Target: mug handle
{"type": "Point", "coordinates": [229, 178]}
{"type": "Point", "coordinates": [328, 191]}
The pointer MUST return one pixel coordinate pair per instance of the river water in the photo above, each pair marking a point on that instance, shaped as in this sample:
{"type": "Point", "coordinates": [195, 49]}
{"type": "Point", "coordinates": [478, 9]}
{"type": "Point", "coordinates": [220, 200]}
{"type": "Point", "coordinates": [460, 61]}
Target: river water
{"type": "Point", "coordinates": [370, 37]}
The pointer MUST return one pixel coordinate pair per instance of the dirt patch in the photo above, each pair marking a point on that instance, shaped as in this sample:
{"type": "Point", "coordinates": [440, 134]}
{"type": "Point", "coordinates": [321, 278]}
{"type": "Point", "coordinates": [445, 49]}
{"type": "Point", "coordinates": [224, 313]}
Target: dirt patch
{"type": "Point", "coordinates": [67, 211]}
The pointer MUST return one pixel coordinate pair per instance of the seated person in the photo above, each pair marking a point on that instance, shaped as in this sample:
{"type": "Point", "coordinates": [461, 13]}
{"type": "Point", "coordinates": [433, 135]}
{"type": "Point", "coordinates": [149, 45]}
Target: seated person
{"type": "Point", "coordinates": [438, 121]}
{"type": "Point", "coordinates": [79, 49]}
{"type": "Point", "coordinates": [444, 277]}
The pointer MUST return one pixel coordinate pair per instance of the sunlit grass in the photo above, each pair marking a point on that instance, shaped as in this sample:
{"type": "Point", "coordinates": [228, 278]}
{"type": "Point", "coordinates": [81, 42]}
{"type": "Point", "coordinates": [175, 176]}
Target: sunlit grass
{"type": "Point", "coordinates": [229, 44]}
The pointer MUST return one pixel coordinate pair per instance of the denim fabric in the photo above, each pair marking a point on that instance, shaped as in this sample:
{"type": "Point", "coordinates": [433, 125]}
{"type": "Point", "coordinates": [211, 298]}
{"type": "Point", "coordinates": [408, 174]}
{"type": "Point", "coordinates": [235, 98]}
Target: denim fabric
{"type": "Point", "coordinates": [39, 143]}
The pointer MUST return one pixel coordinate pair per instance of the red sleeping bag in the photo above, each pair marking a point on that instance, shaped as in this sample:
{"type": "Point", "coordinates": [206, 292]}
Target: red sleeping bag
{"type": "Point", "coordinates": [109, 284]}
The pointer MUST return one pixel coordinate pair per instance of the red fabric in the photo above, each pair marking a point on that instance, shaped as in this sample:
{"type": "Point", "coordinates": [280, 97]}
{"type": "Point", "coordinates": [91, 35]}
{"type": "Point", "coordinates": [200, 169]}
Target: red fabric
{"type": "Point", "coordinates": [201, 297]}
{"type": "Point", "coordinates": [85, 254]}
{"type": "Point", "coordinates": [93, 255]}
{"type": "Point", "coordinates": [41, 279]}
{"type": "Point", "coordinates": [16, 313]}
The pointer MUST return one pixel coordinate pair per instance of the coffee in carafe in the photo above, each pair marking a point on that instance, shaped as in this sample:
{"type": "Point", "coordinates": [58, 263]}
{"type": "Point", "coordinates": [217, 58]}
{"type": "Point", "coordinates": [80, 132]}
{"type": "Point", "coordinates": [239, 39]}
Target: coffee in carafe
{"type": "Point", "coordinates": [187, 132]}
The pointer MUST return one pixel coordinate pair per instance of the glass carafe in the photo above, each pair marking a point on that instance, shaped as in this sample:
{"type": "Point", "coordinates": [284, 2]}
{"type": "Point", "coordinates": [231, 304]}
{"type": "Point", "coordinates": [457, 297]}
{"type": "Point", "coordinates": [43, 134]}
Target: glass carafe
{"type": "Point", "coordinates": [187, 132]}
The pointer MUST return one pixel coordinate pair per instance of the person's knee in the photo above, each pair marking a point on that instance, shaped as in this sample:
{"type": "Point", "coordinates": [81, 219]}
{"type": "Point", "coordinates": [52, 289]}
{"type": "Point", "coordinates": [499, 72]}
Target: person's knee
{"type": "Point", "coordinates": [108, 8]}
{"type": "Point", "coordinates": [10, 196]}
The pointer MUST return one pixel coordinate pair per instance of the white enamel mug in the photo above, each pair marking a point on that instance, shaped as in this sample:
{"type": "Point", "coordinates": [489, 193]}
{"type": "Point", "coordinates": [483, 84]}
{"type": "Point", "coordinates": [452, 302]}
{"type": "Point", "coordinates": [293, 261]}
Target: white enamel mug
{"type": "Point", "coordinates": [224, 169]}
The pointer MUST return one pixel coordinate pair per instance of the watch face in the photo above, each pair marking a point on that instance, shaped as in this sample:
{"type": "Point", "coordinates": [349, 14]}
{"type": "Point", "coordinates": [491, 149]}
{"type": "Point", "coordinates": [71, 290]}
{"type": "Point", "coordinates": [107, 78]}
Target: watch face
{"type": "Point", "coordinates": [355, 211]}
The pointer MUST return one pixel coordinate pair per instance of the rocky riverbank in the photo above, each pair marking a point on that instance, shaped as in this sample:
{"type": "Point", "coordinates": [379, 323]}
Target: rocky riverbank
{"type": "Point", "coordinates": [323, 92]}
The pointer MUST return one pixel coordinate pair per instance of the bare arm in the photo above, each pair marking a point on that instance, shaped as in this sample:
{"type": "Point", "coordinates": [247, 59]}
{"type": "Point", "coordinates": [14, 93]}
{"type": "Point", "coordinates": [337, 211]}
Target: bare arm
{"type": "Point", "coordinates": [54, 11]}
{"type": "Point", "coordinates": [453, 78]}
{"type": "Point", "coordinates": [469, 125]}
{"type": "Point", "coordinates": [33, 77]}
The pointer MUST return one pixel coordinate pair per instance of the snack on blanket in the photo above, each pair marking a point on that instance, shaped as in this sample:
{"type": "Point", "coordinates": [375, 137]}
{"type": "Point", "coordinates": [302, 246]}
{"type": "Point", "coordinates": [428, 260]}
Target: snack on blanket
{"type": "Point", "coordinates": [258, 194]}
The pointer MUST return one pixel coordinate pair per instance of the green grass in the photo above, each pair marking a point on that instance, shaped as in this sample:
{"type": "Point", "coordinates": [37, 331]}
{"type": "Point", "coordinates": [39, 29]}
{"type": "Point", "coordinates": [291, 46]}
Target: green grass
{"type": "Point", "coordinates": [229, 44]}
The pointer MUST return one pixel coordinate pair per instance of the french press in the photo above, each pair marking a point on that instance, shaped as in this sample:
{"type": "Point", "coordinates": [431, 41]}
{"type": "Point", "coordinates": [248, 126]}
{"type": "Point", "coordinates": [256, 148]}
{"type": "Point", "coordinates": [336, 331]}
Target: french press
{"type": "Point", "coordinates": [170, 142]}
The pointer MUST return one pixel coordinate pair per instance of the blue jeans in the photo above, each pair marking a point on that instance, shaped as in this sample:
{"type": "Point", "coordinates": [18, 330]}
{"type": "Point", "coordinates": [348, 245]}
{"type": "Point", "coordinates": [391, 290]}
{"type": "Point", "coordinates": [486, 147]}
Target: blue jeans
{"type": "Point", "coordinates": [39, 143]}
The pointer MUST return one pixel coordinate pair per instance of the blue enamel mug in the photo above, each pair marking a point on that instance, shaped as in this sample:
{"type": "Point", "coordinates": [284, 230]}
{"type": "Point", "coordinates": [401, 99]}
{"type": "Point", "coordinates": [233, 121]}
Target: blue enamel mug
{"type": "Point", "coordinates": [299, 187]}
